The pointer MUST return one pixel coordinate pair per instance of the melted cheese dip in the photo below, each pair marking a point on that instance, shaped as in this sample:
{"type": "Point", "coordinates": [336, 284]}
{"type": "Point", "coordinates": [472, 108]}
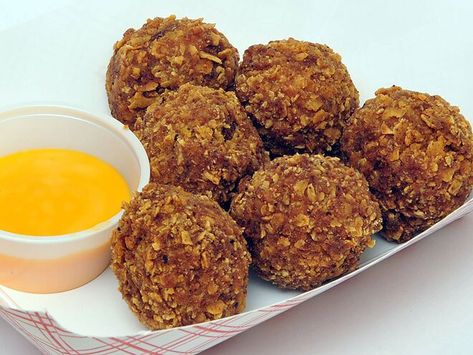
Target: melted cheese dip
{"type": "Point", "coordinates": [46, 192]}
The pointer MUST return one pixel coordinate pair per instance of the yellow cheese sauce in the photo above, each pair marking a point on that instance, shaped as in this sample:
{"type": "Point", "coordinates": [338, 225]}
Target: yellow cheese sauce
{"type": "Point", "coordinates": [57, 191]}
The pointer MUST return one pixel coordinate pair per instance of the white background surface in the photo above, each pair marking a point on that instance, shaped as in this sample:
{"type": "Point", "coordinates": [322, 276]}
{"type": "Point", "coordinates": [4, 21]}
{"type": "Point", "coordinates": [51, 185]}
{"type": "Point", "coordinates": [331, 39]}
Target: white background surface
{"type": "Point", "coordinates": [417, 302]}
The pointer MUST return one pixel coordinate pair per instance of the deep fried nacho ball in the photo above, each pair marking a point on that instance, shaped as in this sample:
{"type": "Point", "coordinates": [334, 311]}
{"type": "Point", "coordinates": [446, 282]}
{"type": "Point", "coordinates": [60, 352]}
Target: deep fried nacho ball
{"type": "Point", "coordinates": [162, 55]}
{"type": "Point", "coordinates": [416, 151]}
{"type": "Point", "coordinates": [179, 258]}
{"type": "Point", "coordinates": [299, 95]}
{"type": "Point", "coordinates": [307, 219]}
{"type": "Point", "coordinates": [201, 139]}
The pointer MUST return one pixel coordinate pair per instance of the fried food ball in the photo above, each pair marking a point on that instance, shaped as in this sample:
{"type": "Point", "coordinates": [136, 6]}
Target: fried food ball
{"type": "Point", "coordinates": [179, 258]}
{"type": "Point", "coordinates": [307, 219]}
{"type": "Point", "coordinates": [416, 151]}
{"type": "Point", "coordinates": [162, 55]}
{"type": "Point", "coordinates": [299, 95]}
{"type": "Point", "coordinates": [201, 139]}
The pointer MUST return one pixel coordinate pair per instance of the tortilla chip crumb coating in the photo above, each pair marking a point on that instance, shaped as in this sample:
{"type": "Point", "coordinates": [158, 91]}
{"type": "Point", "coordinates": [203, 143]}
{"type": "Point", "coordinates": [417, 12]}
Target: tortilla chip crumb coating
{"type": "Point", "coordinates": [299, 95]}
{"type": "Point", "coordinates": [307, 219]}
{"type": "Point", "coordinates": [179, 258]}
{"type": "Point", "coordinates": [416, 151]}
{"type": "Point", "coordinates": [201, 139]}
{"type": "Point", "coordinates": [162, 55]}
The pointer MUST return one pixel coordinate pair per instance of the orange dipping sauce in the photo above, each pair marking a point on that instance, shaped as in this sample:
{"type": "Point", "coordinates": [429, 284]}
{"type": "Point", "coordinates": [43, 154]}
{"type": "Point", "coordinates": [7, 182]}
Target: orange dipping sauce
{"type": "Point", "coordinates": [47, 192]}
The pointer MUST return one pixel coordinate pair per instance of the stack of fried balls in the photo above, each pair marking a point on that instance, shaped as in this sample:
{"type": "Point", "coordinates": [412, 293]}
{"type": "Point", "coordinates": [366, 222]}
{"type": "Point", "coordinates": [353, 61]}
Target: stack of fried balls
{"type": "Point", "coordinates": [269, 163]}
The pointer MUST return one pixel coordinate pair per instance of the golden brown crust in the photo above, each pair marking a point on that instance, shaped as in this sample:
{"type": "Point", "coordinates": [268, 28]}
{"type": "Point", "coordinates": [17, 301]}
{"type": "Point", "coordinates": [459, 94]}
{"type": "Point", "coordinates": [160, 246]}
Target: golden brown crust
{"type": "Point", "coordinates": [299, 95]}
{"type": "Point", "coordinates": [201, 139]}
{"type": "Point", "coordinates": [416, 152]}
{"type": "Point", "coordinates": [179, 258]}
{"type": "Point", "coordinates": [307, 219]}
{"type": "Point", "coordinates": [162, 55]}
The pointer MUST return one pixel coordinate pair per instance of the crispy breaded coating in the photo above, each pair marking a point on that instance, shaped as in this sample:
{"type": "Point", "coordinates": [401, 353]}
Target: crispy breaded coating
{"type": "Point", "coordinates": [299, 95]}
{"type": "Point", "coordinates": [307, 219]}
{"type": "Point", "coordinates": [416, 151]}
{"type": "Point", "coordinates": [179, 258]}
{"type": "Point", "coordinates": [201, 139]}
{"type": "Point", "coordinates": [162, 55]}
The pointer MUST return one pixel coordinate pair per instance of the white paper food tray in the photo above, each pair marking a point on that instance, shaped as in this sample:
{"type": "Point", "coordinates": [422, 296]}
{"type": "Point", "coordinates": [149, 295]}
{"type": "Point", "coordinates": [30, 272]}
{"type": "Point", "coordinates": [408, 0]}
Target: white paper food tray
{"type": "Point", "coordinates": [59, 54]}
{"type": "Point", "coordinates": [93, 319]}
